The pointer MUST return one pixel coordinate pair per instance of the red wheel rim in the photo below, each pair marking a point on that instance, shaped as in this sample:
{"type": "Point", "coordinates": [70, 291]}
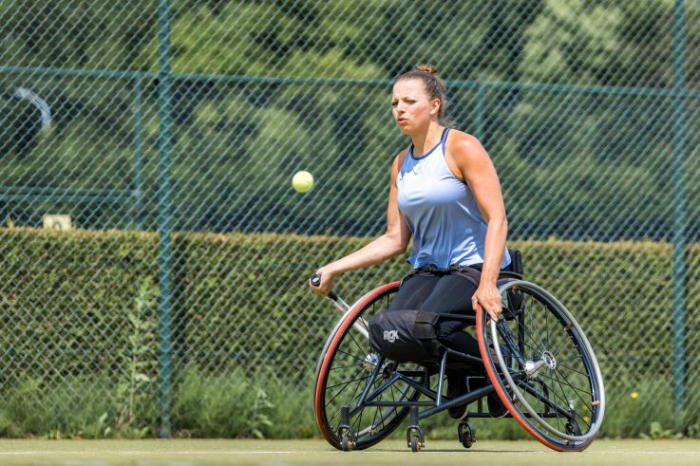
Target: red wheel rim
{"type": "Point", "coordinates": [349, 319]}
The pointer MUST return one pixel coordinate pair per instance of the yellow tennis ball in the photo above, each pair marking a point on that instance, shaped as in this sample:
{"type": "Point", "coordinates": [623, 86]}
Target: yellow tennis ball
{"type": "Point", "coordinates": [303, 181]}
{"type": "Point", "coordinates": [634, 395]}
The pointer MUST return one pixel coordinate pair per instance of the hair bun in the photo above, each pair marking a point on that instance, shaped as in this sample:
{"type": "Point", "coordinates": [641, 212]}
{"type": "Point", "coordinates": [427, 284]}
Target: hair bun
{"type": "Point", "coordinates": [427, 69]}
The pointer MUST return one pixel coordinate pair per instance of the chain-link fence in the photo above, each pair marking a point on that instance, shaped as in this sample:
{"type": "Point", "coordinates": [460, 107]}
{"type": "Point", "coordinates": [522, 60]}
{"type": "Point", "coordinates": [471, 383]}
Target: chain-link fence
{"type": "Point", "coordinates": [160, 139]}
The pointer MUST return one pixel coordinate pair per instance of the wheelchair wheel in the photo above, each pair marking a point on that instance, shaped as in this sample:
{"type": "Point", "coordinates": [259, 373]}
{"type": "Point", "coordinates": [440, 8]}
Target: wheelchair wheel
{"type": "Point", "coordinates": [344, 370]}
{"type": "Point", "coordinates": [543, 367]}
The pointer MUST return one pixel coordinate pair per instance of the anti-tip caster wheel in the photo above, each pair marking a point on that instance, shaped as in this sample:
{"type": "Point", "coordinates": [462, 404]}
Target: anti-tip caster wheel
{"type": "Point", "coordinates": [467, 434]}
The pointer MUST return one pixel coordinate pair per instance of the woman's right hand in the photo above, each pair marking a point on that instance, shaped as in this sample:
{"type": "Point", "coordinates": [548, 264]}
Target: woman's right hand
{"type": "Point", "coordinates": [326, 285]}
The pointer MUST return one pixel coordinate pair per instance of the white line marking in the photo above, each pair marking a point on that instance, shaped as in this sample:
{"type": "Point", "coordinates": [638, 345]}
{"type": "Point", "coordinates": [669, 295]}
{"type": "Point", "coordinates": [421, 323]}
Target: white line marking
{"type": "Point", "coordinates": [165, 453]}
{"type": "Point", "coordinates": [157, 453]}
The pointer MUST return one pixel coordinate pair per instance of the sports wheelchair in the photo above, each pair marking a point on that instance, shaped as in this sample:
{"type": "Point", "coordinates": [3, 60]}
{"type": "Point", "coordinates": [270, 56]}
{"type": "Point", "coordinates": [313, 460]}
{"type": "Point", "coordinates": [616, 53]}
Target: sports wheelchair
{"type": "Point", "coordinates": [536, 358]}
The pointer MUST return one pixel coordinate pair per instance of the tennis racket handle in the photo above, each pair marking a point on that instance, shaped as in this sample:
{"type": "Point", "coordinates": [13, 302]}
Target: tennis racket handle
{"type": "Point", "coordinates": [316, 281]}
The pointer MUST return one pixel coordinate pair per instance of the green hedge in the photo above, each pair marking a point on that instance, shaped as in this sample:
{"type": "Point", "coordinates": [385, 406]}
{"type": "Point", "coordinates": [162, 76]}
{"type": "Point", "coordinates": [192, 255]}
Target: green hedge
{"type": "Point", "coordinates": [81, 304]}
{"type": "Point", "coordinates": [65, 298]}
{"type": "Point", "coordinates": [239, 299]}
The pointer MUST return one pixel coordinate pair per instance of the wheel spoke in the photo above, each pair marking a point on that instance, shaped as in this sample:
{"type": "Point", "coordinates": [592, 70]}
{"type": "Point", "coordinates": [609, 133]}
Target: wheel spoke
{"type": "Point", "coordinates": [349, 381]}
{"type": "Point", "coordinates": [354, 394]}
{"type": "Point", "coordinates": [377, 410]}
{"type": "Point", "coordinates": [532, 338]}
{"type": "Point", "coordinates": [359, 421]}
{"type": "Point", "coordinates": [563, 397]}
{"type": "Point", "coordinates": [577, 390]}
{"type": "Point", "coordinates": [541, 397]}
{"type": "Point", "coordinates": [585, 374]}
{"type": "Point", "coordinates": [338, 394]}
{"type": "Point", "coordinates": [362, 348]}
{"type": "Point", "coordinates": [530, 316]}
{"type": "Point", "coordinates": [509, 336]}
{"type": "Point", "coordinates": [588, 407]}
{"type": "Point", "coordinates": [351, 355]}
{"type": "Point", "coordinates": [355, 365]}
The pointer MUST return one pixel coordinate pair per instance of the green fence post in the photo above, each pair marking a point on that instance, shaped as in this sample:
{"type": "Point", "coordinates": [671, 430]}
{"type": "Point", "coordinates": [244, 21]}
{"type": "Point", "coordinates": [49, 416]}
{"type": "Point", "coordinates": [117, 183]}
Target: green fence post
{"type": "Point", "coordinates": [679, 208]}
{"type": "Point", "coordinates": [138, 152]}
{"type": "Point", "coordinates": [164, 215]}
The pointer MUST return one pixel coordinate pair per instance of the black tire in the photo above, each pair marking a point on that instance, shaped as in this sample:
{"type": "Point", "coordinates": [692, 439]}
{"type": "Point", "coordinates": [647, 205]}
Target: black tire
{"type": "Point", "coordinates": [466, 434]}
{"type": "Point", "coordinates": [345, 366]}
{"type": "Point", "coordinates": [550, 382]}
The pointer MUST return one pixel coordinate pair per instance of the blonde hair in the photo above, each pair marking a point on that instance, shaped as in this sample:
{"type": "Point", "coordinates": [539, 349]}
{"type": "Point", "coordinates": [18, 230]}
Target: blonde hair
{"type": "Point", "coordinates": [434, 85]}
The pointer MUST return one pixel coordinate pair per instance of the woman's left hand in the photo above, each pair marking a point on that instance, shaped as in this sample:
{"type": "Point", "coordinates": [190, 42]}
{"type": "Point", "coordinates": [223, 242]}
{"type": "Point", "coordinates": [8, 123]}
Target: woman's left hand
{"type": "Point", "coordinates": [488, 297]}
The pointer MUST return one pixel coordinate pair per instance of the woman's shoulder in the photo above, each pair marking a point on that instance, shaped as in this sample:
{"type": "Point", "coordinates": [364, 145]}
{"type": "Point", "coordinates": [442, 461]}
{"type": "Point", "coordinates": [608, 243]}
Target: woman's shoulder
{"type": "Point", "coordinates": [463, 151]}
{"type": "Point", "coordinates": [462, 145]}
{"type": "Point", "coordinates": [401, 156]}
{"type": "Point", "coordinates": [461, 140]}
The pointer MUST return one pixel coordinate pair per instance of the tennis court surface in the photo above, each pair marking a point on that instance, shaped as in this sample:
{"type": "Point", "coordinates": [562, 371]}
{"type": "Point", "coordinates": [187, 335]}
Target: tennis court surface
{"type": "Point", "coordinates": [316, 452]}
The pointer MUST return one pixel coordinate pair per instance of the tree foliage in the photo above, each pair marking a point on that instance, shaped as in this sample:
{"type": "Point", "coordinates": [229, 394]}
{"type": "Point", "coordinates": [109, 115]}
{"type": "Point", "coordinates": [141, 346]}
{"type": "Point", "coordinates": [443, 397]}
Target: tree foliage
{"type": "Point", "coordinates": [253, 100]}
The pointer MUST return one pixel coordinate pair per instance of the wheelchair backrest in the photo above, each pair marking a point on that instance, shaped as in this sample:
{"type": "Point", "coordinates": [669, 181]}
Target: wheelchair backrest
{"type": "Point", "coordinates": [515, 269]}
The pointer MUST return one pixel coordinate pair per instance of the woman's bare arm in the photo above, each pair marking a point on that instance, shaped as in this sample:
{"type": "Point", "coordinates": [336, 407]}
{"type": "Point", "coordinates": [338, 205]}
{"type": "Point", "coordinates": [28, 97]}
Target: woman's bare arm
{"type": "Point", "coordinates": [392, 243]}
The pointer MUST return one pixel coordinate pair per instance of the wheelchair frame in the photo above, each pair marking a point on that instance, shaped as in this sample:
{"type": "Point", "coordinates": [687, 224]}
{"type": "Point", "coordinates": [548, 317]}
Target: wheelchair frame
{"type": "Point", "coordinates": [388, 375]}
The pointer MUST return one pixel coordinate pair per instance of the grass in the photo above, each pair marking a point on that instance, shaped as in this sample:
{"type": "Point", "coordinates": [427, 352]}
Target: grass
{"type": "Point", "coordinates": [316, 452]}
{"type": "Point", "coordinates": [225, 406]}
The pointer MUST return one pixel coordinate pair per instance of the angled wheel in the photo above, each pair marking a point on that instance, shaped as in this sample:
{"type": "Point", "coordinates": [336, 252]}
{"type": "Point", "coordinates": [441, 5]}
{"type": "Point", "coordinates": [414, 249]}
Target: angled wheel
{"type": "Point", "coordinates": [349, 367]}
{"type": "Point", "coordinates": [543, 367]}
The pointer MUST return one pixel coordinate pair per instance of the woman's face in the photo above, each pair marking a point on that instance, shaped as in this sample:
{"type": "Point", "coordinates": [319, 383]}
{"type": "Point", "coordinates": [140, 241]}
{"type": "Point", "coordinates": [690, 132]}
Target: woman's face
{"type": "Point", "coordinates": [412, 107]}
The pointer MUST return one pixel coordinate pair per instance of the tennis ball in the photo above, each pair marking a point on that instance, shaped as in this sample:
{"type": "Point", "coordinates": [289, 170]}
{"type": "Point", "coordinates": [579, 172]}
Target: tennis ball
{"type": "Point", "coordinates": [634, 395]}
{"type": "Point", "coordinates": [303, 181]}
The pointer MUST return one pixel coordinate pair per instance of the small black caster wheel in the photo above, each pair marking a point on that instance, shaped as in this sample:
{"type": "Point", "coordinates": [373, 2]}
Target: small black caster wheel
{"type": "Point", "coordinates": [346, 443]}
{"type": "Point", "coordinates": [416, 444]}
{"type": "Point", "coordinates": [467, 434]}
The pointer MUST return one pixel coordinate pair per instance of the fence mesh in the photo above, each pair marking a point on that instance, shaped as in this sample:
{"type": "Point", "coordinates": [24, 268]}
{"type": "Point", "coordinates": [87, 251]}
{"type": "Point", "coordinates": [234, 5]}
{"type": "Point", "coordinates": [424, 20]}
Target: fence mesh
{"type": "Point", "coordinates": [153, 245]}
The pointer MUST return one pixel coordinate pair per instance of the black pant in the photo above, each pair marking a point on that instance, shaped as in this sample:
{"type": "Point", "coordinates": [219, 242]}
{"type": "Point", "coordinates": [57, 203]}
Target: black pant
{"type": "Point", "coordinates": [442, 292]}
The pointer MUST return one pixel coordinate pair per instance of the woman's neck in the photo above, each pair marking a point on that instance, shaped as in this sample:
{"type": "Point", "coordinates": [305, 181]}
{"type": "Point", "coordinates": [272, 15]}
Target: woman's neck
{"type": "Point", "coordinates": [425, 141]}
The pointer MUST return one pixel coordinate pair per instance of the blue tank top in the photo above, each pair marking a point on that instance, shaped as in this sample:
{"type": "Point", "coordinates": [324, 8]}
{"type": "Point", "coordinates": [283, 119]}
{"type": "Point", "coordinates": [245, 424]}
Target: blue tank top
{"type": "Point", "coordinates": [441, 212]}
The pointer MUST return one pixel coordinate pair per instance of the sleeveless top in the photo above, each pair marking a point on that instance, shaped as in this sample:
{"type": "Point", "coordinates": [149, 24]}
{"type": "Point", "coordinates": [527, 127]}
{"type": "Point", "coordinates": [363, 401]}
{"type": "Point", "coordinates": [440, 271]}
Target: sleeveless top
{"type": "Point", "coordinates": [441, 212]}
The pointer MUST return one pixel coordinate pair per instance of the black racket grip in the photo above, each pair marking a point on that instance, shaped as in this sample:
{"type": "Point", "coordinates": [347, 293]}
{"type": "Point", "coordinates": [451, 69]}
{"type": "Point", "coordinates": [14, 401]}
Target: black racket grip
{"type": "Point", "coordinates": [316, 281]}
